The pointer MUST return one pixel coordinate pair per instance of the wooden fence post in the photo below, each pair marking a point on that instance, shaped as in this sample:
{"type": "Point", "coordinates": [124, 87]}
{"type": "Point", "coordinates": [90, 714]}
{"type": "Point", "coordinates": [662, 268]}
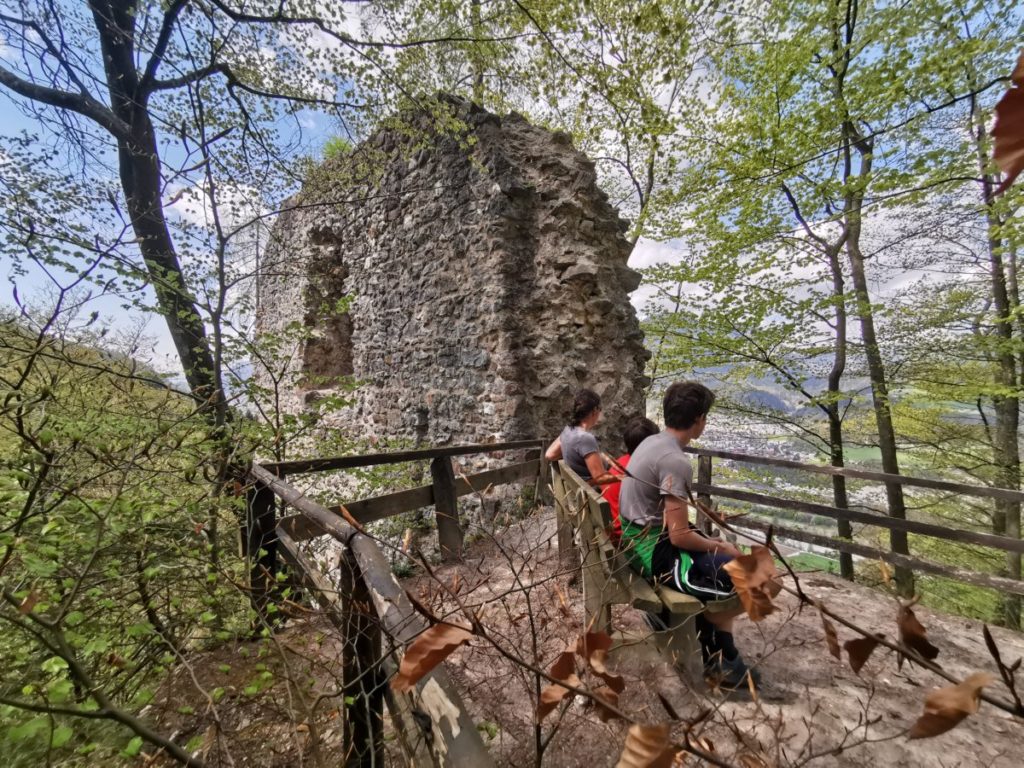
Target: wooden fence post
{"type": "Point", "coordinates": [362, 680]}
{"type": "Point", "coordinates": [446, 506]}
{"type": "Point", "coordinates": [704, 478]}
{"type": "Point", "coordinates": [259, 544]}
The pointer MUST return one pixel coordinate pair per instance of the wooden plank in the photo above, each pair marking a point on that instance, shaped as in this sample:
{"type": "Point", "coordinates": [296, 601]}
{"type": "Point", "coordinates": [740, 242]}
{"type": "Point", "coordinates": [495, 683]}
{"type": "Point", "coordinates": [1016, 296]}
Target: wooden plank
{"type": "Point", "coordinates": [456, 741]}
{"type": "Point", "coordinates": [989, 581]}
{"type": "Point", "coordinates": [641, 594]}
{"type": "Point", "coordinates": [726, 604]}
{"type": "Point", "coordinates": [446, 506]}
{"type": "Point", "coordinates": [362, 681]}
{"type": "Point", "coordinates": [883, 521]}
{"type": "Point", "coordinates": [374, 459]}
{"type": "Point", "coordinates": [1007, 494]}
{"type": "Point", "coordinates": [481, 481]}
{"type": "Point", "coordinates": [259, 545]}
{"type": "Point", "coordinates": [388, 505]}
{"type": "Point", "coordinates": [410, 734]}
{"type": "Point", "coordinates": [596, 610]}
{"type": "Point", "coordinates": [680, 645]}
{"type": "Point", "coordinates": [541, 491]}
{"type": "Point", "coordinates": [301, 528]}
{"type": "Point", "coordinates": [568, 557]}
{"type": "Point", "coordinates": [412, 737]}
{"type": "Point", "coordinates": [327, 521]}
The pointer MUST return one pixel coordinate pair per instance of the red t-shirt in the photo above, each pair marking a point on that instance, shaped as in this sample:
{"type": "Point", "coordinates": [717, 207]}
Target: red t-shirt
{"type": "Point", "coordinates": [611, 495]}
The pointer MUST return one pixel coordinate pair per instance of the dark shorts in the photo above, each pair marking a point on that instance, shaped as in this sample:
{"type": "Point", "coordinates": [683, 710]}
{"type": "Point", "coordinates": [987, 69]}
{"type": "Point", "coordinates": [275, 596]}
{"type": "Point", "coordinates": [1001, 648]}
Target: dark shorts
{"type": "Point", "coordinates": [696, 573]}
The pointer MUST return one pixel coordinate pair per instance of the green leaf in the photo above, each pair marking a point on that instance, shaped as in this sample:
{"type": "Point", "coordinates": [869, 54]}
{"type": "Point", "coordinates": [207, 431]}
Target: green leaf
{"type": "Point", "coordinates": [53, 665]}
{"type": "Point", "coordinates": [133, 748]}
{"type": "Point", "coordinates": [195, 742]}
{"type": "Point", "coordinates": [61, 736]}
{"type": "Point", "coordinates": [28, 729]}
{"type": "Point", "coordinates": [59, 691]}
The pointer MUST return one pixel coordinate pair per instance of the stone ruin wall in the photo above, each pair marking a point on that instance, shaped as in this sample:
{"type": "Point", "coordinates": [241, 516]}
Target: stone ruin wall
{"type": "Point", "coordinates": [489, 280]}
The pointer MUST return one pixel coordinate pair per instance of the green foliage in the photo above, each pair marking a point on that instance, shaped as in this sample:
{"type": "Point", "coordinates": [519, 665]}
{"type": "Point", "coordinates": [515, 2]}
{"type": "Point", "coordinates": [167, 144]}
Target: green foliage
{"type": "Point", "coordinates": [336, 147]}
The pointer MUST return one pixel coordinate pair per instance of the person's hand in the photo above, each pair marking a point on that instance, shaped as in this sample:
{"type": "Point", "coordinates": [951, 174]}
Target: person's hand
{"type": "Point", "coordinates": [726, 548]}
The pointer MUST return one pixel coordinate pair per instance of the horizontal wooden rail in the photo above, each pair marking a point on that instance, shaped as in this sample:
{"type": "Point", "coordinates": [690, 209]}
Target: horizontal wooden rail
{"type": "Point", "coordinates": [866, 518]}
{"type": "Point", "coordinates": [375, 459]}
{"type": "Point", "coordinates": [863, 474]}
{"type": "Point", "coordinates": [950, 572]}
{"type": "Point", "coordinates": [302, 527]}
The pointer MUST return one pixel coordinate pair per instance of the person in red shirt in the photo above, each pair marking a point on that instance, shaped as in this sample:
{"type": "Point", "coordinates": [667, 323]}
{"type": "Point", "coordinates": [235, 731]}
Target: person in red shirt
{"type": "Point", "coordinates": [638, 429]}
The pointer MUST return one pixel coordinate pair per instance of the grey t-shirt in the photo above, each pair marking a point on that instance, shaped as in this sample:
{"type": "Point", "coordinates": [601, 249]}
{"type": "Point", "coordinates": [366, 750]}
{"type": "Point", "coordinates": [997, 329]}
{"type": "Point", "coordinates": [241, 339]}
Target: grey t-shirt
{"type": "Point", "coordinates": [577, 444]}
{"type": "Point", "coordinates": [660, 467]}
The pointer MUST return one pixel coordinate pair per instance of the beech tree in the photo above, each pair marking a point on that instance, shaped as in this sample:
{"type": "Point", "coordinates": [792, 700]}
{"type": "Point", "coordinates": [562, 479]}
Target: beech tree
{"type": "Point", "coordinates": [828, 115]}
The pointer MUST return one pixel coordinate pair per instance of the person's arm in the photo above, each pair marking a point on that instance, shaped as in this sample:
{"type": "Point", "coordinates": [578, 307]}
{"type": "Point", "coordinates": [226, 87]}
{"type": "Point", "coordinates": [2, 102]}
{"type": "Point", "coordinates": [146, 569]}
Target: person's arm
{"type": "Point", "coordinates": [599, 474]}
{"type": "Point", "coordinates": [554, 451]}
{"type": "Point", "coordinates": [683, 536]}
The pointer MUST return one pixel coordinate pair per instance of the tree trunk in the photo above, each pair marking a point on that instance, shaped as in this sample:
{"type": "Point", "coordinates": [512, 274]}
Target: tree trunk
{"type": "Point", "coordinates": [835, 425]}
{"type": "Point", "coordinates": [1006, 403]}
{"type": "Point", "coordinates": [844, 24]}
{"type": "Point", "coordinates": [880, 398]}
{"type": "Point", "coordinates": [139, 168]}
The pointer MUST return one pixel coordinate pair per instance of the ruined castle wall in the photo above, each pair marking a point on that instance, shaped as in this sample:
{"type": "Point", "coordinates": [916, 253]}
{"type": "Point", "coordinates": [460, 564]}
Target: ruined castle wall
{"type": "Point", "coordinates": [488, 281]}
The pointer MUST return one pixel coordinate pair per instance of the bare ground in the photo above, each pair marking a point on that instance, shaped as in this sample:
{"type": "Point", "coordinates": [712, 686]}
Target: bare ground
{"type": "Point", "coordinates": [811, 709]}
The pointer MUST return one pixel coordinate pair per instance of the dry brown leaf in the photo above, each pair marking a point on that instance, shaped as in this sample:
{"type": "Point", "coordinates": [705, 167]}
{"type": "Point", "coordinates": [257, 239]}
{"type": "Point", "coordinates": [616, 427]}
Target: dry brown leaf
{"type": "Point", "coordinates": [703, 743]}
{"type": "Point", "coordinates": [593, 642]}
{"type": "Point", "coordinates": [30, 601]}
{"type": "Point", "coordinates": [946, 707]}
{"type": "Point", "coordinates": [831, 638]}
{"type": "Point", "coordinates": [647, 746]}
{"type": "Point", "coordinates": [563, 604]}
{"type": "Point", "coordinates": [426, 652]}
{"type": "Point", "coordinates": [594, 647]}
{"type": "Point", "coordinates": [860, 650]}
{"type": "Point", "coordinates": [606, 695]}
{"type": "Point", "coordinates": [551, 696]}
{"type": "Point", "coordinates": [886, 572]}
{"type": "Point", "coordinates": [913, 634]}
{"type": "Point", "coordinates": [406, 541]}
{"type": "Point", "coordinates": [1008, 132]}
{"type": "Point", "coordinates": [756, 580]}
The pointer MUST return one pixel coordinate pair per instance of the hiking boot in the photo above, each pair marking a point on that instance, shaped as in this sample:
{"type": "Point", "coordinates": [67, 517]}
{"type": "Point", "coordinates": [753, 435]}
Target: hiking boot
{"type": "Point", "coordinates": [732, 675]}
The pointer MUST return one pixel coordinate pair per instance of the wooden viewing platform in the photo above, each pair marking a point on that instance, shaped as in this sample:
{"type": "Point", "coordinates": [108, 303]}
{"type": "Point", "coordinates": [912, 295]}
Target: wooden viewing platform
{"type": "Point", "coordinates": [376, 619]}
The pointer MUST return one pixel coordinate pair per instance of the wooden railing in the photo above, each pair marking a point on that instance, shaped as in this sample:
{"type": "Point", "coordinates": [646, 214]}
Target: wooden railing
{"type": "Point", "coordinates": [375, 617]}
{"type": "Point", "coordinates": [367, 605]}
{"type": "Point", "coordinates": [706, 487]}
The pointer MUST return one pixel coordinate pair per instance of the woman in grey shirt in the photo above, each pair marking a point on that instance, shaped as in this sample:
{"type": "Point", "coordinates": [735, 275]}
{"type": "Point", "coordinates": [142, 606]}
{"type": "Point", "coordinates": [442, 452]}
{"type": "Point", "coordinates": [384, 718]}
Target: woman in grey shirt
{"type": "Point", "coordinates": [577, 446]}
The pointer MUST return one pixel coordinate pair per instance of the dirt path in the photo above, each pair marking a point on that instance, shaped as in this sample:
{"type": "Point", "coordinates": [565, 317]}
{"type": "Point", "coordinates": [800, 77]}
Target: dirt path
{"type": "Point", "coordinates": [274, 702]}
{"type": "Point", "coordinates": [812, 709]}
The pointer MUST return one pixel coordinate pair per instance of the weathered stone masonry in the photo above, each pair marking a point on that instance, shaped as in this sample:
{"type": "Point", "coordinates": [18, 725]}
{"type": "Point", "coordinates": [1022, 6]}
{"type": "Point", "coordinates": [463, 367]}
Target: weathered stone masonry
{"type": "Point", "coordinates": [489, 279]}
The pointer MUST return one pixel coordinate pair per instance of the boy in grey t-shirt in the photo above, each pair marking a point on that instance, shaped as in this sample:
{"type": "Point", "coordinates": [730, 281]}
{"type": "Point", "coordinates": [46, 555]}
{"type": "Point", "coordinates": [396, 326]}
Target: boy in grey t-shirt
{"type": "Point", "coordinates": [657, 534]}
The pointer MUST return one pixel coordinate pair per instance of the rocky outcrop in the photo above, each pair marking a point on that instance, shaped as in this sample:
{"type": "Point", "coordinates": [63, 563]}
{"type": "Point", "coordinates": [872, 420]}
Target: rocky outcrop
{"type": "Point", "coordinates": [486, 279]}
